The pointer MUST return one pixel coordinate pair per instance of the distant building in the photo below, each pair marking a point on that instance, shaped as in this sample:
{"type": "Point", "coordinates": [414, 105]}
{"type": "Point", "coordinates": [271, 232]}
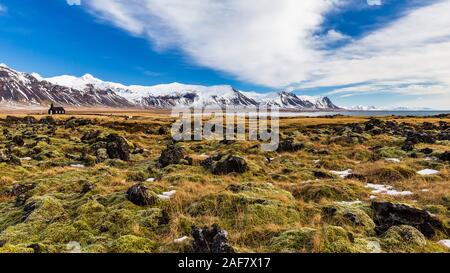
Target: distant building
{"type": "Point", "coordinates": [56, 110]}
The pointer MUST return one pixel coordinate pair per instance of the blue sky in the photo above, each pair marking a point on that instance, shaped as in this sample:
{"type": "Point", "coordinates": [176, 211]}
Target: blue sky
{"type": "Point", "coordinates": [355, 51]}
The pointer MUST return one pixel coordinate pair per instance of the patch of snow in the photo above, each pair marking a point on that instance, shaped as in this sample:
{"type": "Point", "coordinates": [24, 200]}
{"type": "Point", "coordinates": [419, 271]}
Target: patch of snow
{"type": "Point", "coordinates": [77, 165]}
{"type": "Point", "coordinates": [167, 195]}
{"type": "Point", "coordinates": [26, 158]}
{"type": "Point", "coordinates": [432, 158]}
{"type": "Point", "coordinates": [163, 197]}
{"type": "Point", "coordinates": [389, 190]}
{"type": "Point", "coordinates": [393, 160]}
{"type": "Point", "coordinates": [399, 193]}
{"type": "Point", "coordinates": [342, 174]}
{"type": "Point", "coordinates": [316, 161]}
{"type": "Point", "coordinates": [170, 193]}
{"type": "Point", "coordinates": [373, 197]}
{"type": "Point", "coordinates": [37, 76]}
{"type": "Point", "coordinates": [151, 180]}
{"type": "Point", "coordinates": [425, 190]}
{"type": "Point", "coordinates": [445, 243]}
{"type": "Point", "coordinates": [180, 240]}
{"type": "Point", "coordinates": [349, 203]}
{"type": "Point", "coordinates": [428, 172]}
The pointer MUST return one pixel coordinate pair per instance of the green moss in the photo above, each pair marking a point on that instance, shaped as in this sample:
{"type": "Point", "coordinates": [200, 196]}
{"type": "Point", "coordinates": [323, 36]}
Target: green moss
{"type": "Point", "coordinates": [49, 209]}
{"type": "Point", "coordinates": [133, 244]}
{"type": "Point", "coordinates": [436, 209]}
{"type": "Point", "coordinates": [60, 233]}
{"type": "Point", "coordinates": [117, 219]}
{"type": "Point", "coordinates": [9, 216]}
{"type": "Point", "coordinates": [259, 216]}
{"type": "Point", "coordinates": [403, 239]}
{"type": "Point", "coordinates": [95, 248]}
{"type": "Point", "coordinates": [90, 161]}
{"type": "Point", "coordinates": [353, 216]}
{"type": "Point", "coordinates": [243, 210]}
{"type": "Point", "coordinates": [336, 240]}
{"type": "Point", "coordinates": [137, 176]}
{"type": "Point", "coordinates": [117, 163]}
{"type": "Point", "coordinates": [391, 152]}
{"type": "Point", "coordinates": [292, 241]}
{"type": "Point", "coordinates": [101, 155]}
{"type": "Point", "coordinates": [150, 218]}
{"type": "Point", "coordinates": [329, 189]}
{"type": "Point", "coordinates": [367, 245]}
{"type": "Point", "coordinates": [15, 249]}
{"type": "Point", "coordinates": [391, 174]}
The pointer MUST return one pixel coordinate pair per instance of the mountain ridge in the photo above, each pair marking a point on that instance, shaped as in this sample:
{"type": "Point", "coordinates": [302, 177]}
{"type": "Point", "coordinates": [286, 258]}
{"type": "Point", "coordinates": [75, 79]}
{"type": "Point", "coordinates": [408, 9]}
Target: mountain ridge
{"type": "Point", "coordinates": [18, 87]}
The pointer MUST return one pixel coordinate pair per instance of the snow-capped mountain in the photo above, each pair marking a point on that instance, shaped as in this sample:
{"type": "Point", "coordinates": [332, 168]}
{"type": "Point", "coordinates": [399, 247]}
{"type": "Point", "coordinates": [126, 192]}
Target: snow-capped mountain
{"type": "Point", "coordinates": [362, 108]}
{"type": "Point", "coordinates": [289, 100]}
{"type": "Point", "coordinates": [391, 108]}
{"type": "Point", "coordinates": [18, 87]}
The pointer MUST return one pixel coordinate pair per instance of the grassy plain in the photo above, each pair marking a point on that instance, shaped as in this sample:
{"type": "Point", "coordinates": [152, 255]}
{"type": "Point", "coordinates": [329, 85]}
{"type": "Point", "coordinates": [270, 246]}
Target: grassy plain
{"type": "Point", "coordinates": [278, 205]}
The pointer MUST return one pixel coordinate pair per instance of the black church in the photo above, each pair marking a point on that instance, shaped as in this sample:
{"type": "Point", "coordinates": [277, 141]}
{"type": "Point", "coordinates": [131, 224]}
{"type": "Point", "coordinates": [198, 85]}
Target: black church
{"type": "Point", "coordinates": [56, 110]}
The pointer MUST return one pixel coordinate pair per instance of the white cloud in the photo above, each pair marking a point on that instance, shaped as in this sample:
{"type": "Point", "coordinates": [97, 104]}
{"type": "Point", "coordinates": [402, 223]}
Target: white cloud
{"type": "Point", "coordinates": [3, 9]}
{"type": "Point", "coordinates": [374, 2]}
{"type": "Point", "coordinates": [410, 89]}
{"type": "Point", "coordinates": [260, 41]}
{"type": "Point", "coordinates": [273, 43]}
{"type": "Point", "coordinates": [73, 2]}
{"type": "Point", "coordinates": [433, 102]}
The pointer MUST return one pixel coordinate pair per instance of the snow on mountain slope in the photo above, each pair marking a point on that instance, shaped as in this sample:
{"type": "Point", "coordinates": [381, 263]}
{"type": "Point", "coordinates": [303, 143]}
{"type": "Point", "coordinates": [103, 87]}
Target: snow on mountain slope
{"type": "Point", "coordinates": [88, 90]}
{"type": "Point", "coordinates": [162, 95]}
{"type": "Point", "coordinates": [18, 87]}
{"type": "Point", "coordinates": [177, 94]}
{"type": "Point", "coordinates": [81, 83]}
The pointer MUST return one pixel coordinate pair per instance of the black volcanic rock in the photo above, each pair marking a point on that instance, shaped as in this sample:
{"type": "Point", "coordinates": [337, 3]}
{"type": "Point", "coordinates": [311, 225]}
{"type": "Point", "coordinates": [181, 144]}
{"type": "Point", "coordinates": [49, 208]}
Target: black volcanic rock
{"type": "Point", "coordinates": [426, 151]}
{"type": "Point", "coordinates": [18, 140]}
{"type": "Point", "coordinates": [429, 126]}
{"type": "Point", "coordinates": [222, 164]}
{"type": "Point", "coordinates": [288, 145]}
{"type": "Point", "coordinates": [416, 138]}
{"type": "Point", "coordinates": [388, 214]}
{"type": "Point", "coordinates": [408, 146]}
{"type": "Point", "coordinates": [212, 240]}
{"type": "Point", "coordinates": [173, 154]}
{"type": "Point", "coordinates": [139, 195]}
{"type": "Point", "coordinates": [7, 157]}
{"type": "Point", "coordinates": [117, 147]}
{"type": "Point", "coordinates": [445, 156]}
{"type": "Point", "coordinates": [91, 136]}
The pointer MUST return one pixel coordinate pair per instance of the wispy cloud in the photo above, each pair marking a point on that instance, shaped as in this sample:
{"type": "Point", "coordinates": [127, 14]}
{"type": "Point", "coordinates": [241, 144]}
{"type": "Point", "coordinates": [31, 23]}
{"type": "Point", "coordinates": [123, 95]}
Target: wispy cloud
{"type": "Point", "coordinates": [274, 43]}
{"type": "Point", "coordinates": [3, 9]}
{"type": "Point", "coordinates": [374, 2]}
{"type": "Point", "coordinates": [259, 41]}
{"type": "Point", "coordinates": [73, 2]}
{"type": "Point", "coordinates": [410, 89]}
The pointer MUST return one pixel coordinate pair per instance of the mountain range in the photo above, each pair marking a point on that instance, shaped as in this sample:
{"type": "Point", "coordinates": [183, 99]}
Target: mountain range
{"type": "Point", "coordinates": [87, 91]}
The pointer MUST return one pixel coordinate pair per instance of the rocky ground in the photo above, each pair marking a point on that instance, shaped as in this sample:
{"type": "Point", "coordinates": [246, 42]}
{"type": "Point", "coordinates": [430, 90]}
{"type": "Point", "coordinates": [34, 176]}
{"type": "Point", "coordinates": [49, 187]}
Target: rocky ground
{"type": "Point", "coordinates": [119, 184]}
